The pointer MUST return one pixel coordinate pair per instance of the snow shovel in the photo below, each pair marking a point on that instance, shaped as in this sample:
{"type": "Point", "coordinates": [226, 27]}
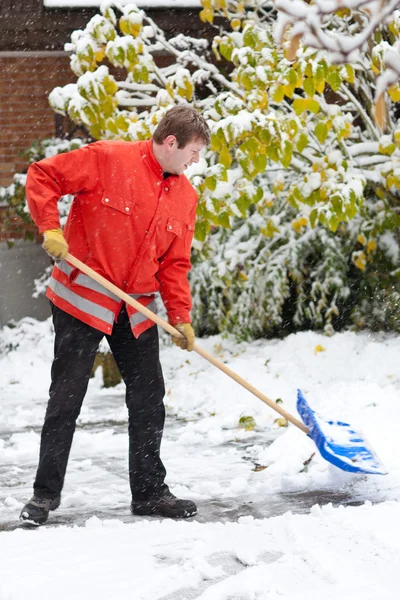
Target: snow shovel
{"type": "Point", "coordinates": [337, 442]}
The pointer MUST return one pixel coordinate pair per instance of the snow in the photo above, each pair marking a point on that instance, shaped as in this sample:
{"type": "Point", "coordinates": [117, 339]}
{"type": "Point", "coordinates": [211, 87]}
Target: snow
{"type": "Point", "coordinates": [275, 519]}
{"type": "Point", "coordinates": [387, 241]}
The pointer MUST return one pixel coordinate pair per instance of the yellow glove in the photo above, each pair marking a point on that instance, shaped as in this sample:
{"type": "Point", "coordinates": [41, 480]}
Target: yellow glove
{"type": "Point", "coordinates": [187, 342]}
{"type": "Point", "coordinates": [55, 243]}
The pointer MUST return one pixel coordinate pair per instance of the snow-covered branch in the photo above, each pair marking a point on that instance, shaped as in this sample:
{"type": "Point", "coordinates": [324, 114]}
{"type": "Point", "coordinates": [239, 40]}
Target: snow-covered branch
{"type": "Point", "coordinates": [311, 22]}
{"type": "Point", "coordinates": [343, 29]}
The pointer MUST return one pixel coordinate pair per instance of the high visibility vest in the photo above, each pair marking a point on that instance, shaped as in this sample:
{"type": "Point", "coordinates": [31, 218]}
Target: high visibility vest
{"type": "Point", "coordinates": [102, 307]}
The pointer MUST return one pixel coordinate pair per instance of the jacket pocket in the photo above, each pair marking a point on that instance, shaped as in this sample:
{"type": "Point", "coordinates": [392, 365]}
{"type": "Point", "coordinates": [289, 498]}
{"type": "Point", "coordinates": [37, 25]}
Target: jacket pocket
{"type": "Point", "coordinates": [117, 202]}
{"type": "Point", "coordinates": [175, 226]}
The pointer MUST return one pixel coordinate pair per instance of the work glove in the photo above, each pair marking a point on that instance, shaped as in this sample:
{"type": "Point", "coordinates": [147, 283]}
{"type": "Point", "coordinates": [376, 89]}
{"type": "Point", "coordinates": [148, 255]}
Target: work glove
{"type": "Point", "coordinates": [187, 342]}
{"type": "Point", "coordinates": [55, 243]}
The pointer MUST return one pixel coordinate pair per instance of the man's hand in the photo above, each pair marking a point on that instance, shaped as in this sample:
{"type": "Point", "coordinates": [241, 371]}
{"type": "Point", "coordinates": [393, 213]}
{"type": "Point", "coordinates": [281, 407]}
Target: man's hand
{"type": "Point", "coordinates": [187, 342]}
{"type": "Point", "coordinates": [55, 243]}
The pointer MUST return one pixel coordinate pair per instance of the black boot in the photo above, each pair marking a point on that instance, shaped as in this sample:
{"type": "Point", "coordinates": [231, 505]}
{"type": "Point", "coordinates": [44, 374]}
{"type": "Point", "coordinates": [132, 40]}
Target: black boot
{"type": "Point", "coordinates": [166, 505]}
{"type": "Point", "coordinates": [36, 511]}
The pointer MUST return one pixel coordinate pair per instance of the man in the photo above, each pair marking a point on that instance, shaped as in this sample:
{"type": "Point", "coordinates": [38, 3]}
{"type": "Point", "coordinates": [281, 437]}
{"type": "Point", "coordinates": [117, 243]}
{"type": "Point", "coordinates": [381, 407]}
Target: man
{"type": "Point", "coordinates": [131, 220]}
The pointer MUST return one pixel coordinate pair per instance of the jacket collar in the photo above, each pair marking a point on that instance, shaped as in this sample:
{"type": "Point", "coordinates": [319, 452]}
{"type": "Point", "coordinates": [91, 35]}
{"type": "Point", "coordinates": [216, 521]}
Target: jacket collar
{"type": "Point", "coordinates": [149, 158]}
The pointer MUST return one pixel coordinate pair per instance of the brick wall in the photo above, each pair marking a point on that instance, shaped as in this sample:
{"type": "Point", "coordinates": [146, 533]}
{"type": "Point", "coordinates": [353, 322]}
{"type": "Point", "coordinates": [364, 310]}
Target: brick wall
{"type": "Point", "coordinates": [26, 80]}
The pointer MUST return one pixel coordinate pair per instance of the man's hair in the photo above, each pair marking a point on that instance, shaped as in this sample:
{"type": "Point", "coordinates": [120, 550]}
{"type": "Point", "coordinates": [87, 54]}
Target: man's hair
{"type": "Point", "coordinates": [185, 123]}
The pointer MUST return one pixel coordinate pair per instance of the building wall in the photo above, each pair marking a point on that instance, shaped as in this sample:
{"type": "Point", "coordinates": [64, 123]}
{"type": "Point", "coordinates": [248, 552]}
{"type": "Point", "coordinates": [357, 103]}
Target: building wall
{"type": "Point", "coordinates": [19, 267]}
{"type": "Point", "coordinates": [27, 78]}
{"type": "Point", "coordinates": [28, 25]}
{"type": "Point", "coordinates": [32, 63]}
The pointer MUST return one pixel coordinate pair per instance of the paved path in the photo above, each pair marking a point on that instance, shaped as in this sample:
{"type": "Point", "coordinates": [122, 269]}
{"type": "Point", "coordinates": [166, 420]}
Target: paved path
{"type": "Point", "coordinates": [97, 479]}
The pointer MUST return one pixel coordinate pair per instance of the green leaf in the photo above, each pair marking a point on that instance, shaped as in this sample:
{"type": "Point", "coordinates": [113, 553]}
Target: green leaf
{"type": "Point", "coordinates": [224, 219]}
{"type": "Point", "coordinates": [223, 174]}
{"type": "Point", "coordinates": [313, 105]}
{"type": "Point", "coordinates": [313, 217]}
{"type": "Point", "coordinates": [201, 230]}
{"type": "Point", "coordinates": [225, 157]}
{"type": "Point", "coordinates": [297, 194]}
{"type": "Point", "coordinates": [292, 201]}
{"type": "Point", "coordinates": [388, 150]}
{"type": "Point", "coordinates": [249, 37]}
{"type": "Point", "coordinates": [122, 123]}
{"type": "Point", "coordinates": [264, 136]}
{"type": "Point", "coordinates": [312, 199]}
{"type": "Point", "coordinates": [334, 223]}
{"type": "Point", "coordinates": [322, 72]}
{"type": "Point", "coordinates": [260, 162]}
{"type": "Point", "coordinates": [216, 142]}
{"type": "Point", "coordinates": [247, 423]}
{"type": "Point", "coordinates": [352, 209]}
{"type": "Point", "coordinates": [251, 147]}
{"type": "Point", "coordinates": [258, 195]}
{"type": "Point", "coordinates": [337, 204]}
{"type": "Point", "coordinates": [247, 165]}
{"type": "Point", "coordinates": [272, 153]}
{"type": "Point", "coordinates": [287, 154]}
{"type": "Point", "coordinates": [211, 182]}
{"type": "Point", "coordinates": [226, 49]}
{"type": "Point", "coordinates": [309, 86]}
{"type": "Point", "coordinates": [299, 105]}
{"type": "Point", "coordinates": [350, 74]}
{"type": "Point", "coordinates": [96, 132]}
{"type": "Point", "coordinates": [334, 80]}
{"type": "Point", "coordinates": [293, 128]}
{"type": "Point", "coordinates": [279, 94]}
{"type": "Point", "coordinates": [353, 197]}
{"type": "Point", "coordinates": [321, 131]}
{"type": "Point", "coordinates": [246, 81]}
{"type": "Point", "coordinates": [243, 204]}
{"type": "Point", "coordinates": [302, 104]}
{"type": "Point", "coordinates": [292, 77]}
{"type": "Point", "coordinates": [302, 142]}
{"type": "Point", "coordinates": [111, 126]}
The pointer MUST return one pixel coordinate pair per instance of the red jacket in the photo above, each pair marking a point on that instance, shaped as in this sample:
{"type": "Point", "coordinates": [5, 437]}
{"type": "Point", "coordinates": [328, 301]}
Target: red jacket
{"type": "Point", "coordinates": [126, 222]}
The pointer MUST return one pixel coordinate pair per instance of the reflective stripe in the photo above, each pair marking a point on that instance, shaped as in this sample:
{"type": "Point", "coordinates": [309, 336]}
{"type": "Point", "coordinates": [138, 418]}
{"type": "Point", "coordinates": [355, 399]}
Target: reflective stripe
{"type": "Point", "coordinates": [64, 267]}
{"type": "Point", "coordinates": [86, 306]}
{"type": "Point", "coordinates": [89, 307]}
{"type": "Point", "coordinates": [86, 281]}
{"type": "Point", "coordinates": [139, 318]}
{"type": "Point", "coordinates": [90, 283]}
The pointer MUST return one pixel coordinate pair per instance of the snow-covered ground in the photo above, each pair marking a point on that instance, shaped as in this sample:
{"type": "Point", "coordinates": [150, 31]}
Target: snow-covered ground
{"type": "Point", "coordinates": [275, 520]}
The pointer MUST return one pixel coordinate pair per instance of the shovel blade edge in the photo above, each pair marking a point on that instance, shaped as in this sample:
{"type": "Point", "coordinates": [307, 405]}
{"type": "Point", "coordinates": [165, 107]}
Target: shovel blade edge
{"type": "Point", "coordinates": [338, 442]}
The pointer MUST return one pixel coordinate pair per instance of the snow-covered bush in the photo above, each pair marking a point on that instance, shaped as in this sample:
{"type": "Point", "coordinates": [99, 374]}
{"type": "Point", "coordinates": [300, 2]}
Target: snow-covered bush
{"type": "Point", "coordinates": [253, 284]}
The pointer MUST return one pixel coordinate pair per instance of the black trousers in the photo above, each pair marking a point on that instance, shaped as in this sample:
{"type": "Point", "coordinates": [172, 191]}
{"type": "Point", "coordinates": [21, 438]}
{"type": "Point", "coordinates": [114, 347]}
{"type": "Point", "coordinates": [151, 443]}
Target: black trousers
{"type": "Point", "coordinates": [138, 361]}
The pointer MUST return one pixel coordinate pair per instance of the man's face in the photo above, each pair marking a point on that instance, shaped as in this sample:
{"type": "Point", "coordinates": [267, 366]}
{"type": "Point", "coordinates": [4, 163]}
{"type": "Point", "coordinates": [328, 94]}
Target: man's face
{"type": "Point", "coordinates": [179, 159]}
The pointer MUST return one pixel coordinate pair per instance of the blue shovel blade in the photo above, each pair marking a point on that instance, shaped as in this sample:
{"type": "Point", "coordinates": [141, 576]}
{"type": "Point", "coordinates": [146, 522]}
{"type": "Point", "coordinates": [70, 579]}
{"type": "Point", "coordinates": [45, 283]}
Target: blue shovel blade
{"type": "Point", "coordinates": [338, 443]}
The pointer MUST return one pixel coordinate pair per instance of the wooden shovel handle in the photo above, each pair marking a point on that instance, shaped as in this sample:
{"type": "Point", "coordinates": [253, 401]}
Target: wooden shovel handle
{"type": "Point", "coordinates": [156, 319]}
